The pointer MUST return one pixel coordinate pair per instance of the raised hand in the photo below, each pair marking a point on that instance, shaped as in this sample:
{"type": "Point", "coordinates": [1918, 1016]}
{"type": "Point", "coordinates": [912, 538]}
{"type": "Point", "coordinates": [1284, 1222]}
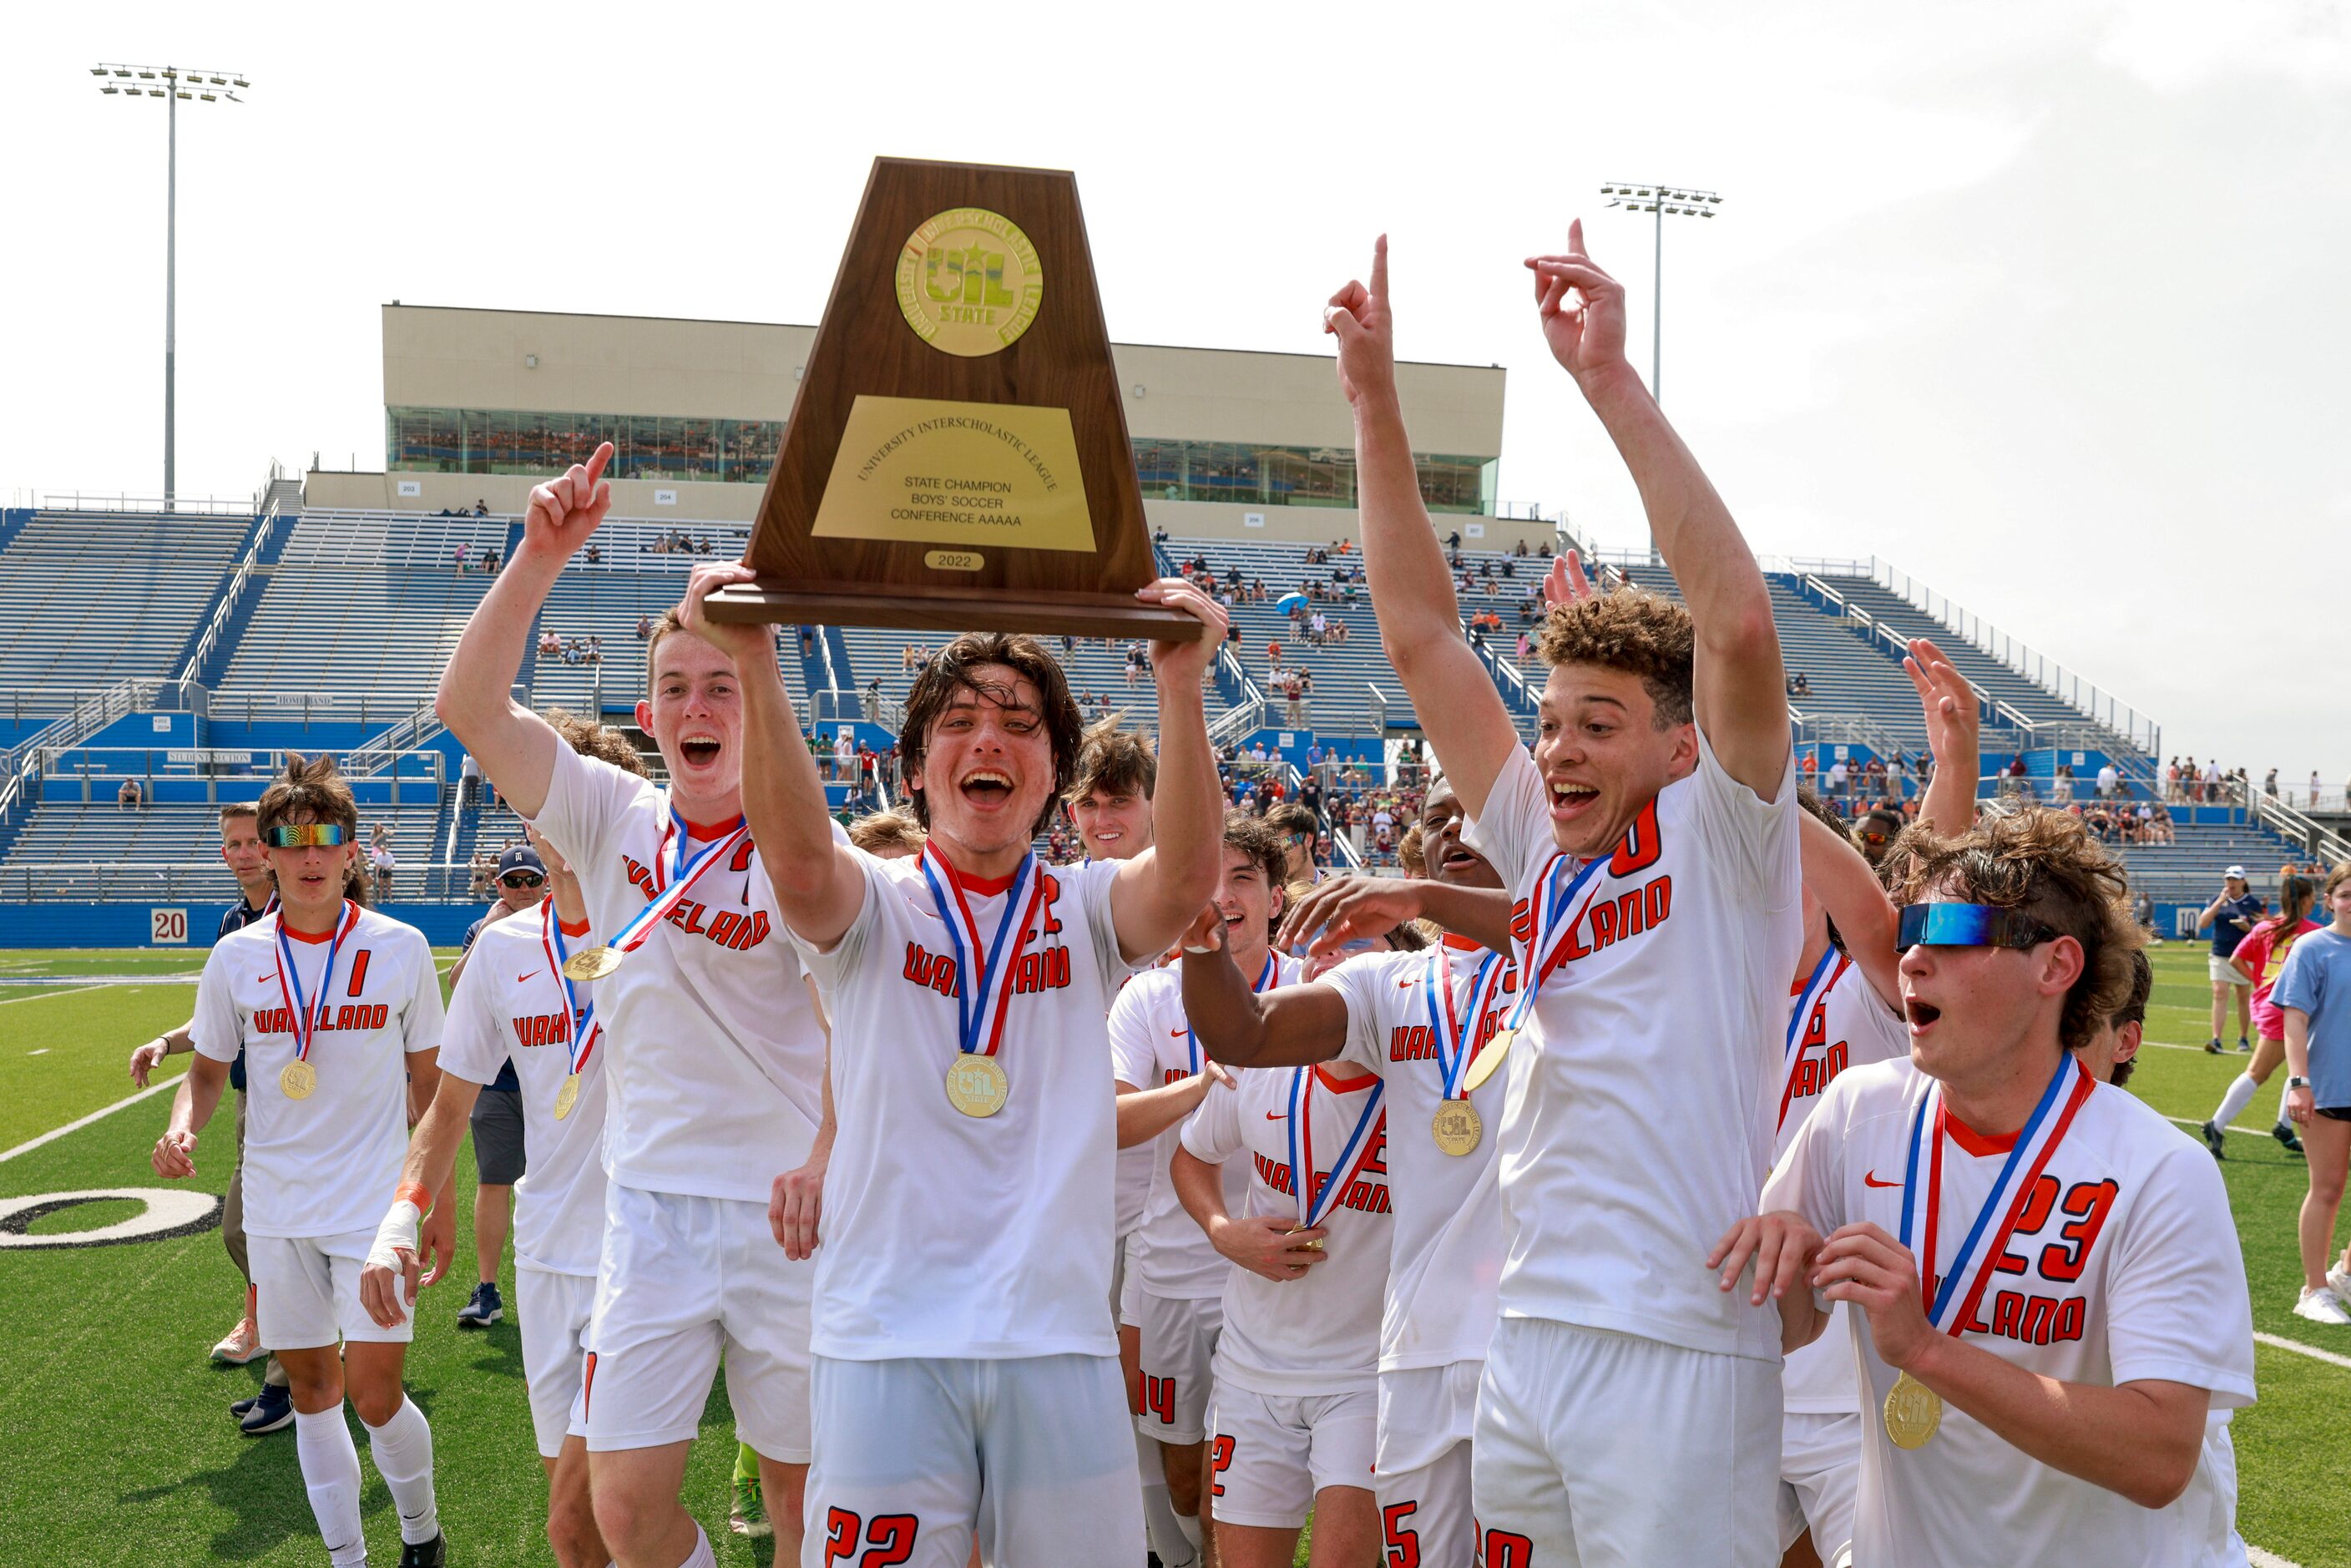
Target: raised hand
{"type": "Point", "coordinates": [144, 1060]}
{"type": "Point", "coordinates": [1582, 308]}
{"type": "Point", "coordinates": [1949, 702]}
{"type": "Point", "coordinates": [1358, 317]}
{"type": "Point", "coordinates": [1565, 582]}
{"type": "Point", "coordinates": [1349, 909]}
{"type": "Point", "coordinates": [565, 511]}
{"type": "Point", "coordinates": [1176, 662]}
{"type": "Point", "coordinates": [737, 639]}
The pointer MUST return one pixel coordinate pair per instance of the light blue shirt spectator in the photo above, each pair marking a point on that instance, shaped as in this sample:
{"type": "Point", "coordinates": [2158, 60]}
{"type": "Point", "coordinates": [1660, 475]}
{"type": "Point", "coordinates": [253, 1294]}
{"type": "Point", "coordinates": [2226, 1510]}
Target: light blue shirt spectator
{"type": "Point", "coordinates": [2318, 980]}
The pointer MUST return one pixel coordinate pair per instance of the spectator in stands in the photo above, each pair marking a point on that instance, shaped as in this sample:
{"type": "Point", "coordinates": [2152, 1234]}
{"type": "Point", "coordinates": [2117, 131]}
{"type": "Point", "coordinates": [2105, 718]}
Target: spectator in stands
{"type": "Point", "coordinates": [2234, 911]}
{"type": "Point", "coordinates": [469, 781]}
{"type": "Point", "coordinates": [128, 797]}
{"type": "Point", "coordinates": [1298, 829]}
{"type": "Point", "coordinates": [2061, 785]}
{"type": "Point", "coordinates": [481, 509]}
{"type": "Point", "coordinates": [478, 872]}
{"type": "Point", "coordinates": [461, 553]}
{"type": "Point", "coordinates": [2213, 793]}
{"type": "Point", "coordinates": [1838, 776]}
{"type": "Point", "coordinates": [2109, 781]}
{"type": "Point", "coordinates": [2312, 804]}
{"type": "Point", "coordinates": [382, 863]}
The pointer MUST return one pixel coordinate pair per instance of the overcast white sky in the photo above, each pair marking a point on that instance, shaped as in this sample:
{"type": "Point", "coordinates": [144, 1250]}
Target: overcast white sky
{"type": "Point", "coordinates": [2043, 302]}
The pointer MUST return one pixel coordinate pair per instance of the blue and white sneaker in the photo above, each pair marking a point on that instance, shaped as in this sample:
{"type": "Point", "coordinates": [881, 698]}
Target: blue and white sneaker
{"type": "Point", "coordinates": [484, 1309]}
{"type": "Point", "coordinates": [272, 1409]}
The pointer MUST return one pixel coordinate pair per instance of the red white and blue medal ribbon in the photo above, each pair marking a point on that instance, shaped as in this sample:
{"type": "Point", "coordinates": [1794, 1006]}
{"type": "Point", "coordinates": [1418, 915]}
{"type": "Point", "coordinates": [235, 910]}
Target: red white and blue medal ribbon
{"type": "Point", "coordinates": [585, 1029]}
{"type": "Point", "coordinates": [1265, 977]}
{"type": "Point", "coordinates": [983, 995]}
{"type": "Point", "coordinates": [1552, 900]}
{"type": "Point", "coordinates": [305, 1009]}
{"type": "Point", "coordinates": [1947, 1307]}
{"type": "Point", "coordinates": [676, 879]}
{"type": "Point", "coordinates": [1449, 1028]}
{"type": "Point", "coordinates": [1313, 1206]}
{"type": "Point", "coordinates": [1826, 974]}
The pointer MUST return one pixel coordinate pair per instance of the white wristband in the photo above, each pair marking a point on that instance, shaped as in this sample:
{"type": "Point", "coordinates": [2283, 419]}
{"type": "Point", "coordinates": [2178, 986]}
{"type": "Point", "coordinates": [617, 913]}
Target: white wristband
{"type": "Point", "coordinates": [396, 1235]}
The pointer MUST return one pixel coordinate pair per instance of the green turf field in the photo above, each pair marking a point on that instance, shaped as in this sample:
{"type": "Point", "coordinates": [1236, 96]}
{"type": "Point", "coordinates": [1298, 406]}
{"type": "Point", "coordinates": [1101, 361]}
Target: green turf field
{"type": "Point", "coordinates": [120, 1448]}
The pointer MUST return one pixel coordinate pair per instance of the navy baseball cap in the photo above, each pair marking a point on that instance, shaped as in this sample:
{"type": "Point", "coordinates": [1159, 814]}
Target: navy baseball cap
{"type": "Point", "coordinates": [522, 857]}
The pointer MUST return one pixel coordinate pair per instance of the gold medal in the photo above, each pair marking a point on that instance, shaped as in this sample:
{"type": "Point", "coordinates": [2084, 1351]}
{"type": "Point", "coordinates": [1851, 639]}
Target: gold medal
{"type": "Point", "coordinates": [297, 1080]}
{"type": "Point", "coordinates": [1458, 1126]}
{"type": "Point", "coordinates": [1313, 1246]}
{"type": "Point", "coordinates": [976, 1085]}
{"type": "Point", "coordinates": [592, 963]}
{"type": "Point", "coordinates": [1913, 1411]}
{"type": "Point", "coordinates": [567, 1096]}
{"type": "Point", "coordinates": [1484, 1065]}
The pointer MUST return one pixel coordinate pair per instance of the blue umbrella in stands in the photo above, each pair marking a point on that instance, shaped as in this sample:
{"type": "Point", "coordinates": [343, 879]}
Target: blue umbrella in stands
{"type": "Point", "coordinates": [1290, 602]}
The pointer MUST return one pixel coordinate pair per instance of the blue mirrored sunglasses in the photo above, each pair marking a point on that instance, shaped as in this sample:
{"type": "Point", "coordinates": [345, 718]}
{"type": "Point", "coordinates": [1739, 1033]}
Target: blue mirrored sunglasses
{"type": "Point", "coordinates": [1968, 925]}
{"type": "Point", "coordinates": [302, 835]}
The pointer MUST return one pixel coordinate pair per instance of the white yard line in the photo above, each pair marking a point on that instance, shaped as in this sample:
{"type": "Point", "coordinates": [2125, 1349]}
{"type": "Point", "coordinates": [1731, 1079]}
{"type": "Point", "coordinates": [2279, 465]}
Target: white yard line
{"type": "Point", "coordinates": [2260, 1559]}
{"type": "Point", "coordinates": [29, 1144]}
{"type": "Point", "coordinates": [2279, 1341]}
{"type": "Point", "coordinates": [45, 996]}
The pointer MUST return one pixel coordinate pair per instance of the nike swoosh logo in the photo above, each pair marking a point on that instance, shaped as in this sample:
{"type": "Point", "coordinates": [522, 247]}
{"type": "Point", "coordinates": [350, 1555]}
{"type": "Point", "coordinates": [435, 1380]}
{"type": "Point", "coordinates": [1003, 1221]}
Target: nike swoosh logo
{"type": "Point", "coordinates": [522, 979]}
{"type": "Point", "coordinates": [1277, 1116]}
{"type": "Point", "coordinates": [1178, 1033]}
{"type": "Point", "coordinates": [1871, 1180]}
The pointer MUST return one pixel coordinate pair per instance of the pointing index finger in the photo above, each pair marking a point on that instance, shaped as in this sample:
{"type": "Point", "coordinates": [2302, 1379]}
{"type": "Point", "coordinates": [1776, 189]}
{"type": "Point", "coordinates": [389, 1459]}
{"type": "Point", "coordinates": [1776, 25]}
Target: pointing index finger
{"type": "Point", "coordinates": [1380, 268]}
{"type": "Point", "coordinates": [596, 465]}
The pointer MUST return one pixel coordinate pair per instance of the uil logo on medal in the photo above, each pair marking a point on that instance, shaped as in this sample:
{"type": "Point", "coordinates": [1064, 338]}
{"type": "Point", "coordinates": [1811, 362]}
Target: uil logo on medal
{"type": "Point", "coordinates": [969, 282]}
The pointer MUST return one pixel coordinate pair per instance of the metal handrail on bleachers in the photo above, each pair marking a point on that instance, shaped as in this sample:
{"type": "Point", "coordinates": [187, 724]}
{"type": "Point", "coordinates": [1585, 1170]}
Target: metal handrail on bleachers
{"type": "Point", "coordinates": [225, 613]}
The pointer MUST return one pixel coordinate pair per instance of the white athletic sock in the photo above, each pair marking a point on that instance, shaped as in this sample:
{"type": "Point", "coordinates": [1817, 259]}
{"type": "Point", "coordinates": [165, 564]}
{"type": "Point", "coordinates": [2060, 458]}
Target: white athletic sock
{"type": "Point", "coordinates": [700, 1556]}
{"type": "Point", "coordinates": [331, 1474]}
{"type": "Point", "coordinates": [1189, 1523]}
{"type": "Point", "coordinates": [2233, 1103]}
{"type": "Point", "coordinates": [403, 1447]}
{"type": "Point", "coordinates": [1164, 1526]}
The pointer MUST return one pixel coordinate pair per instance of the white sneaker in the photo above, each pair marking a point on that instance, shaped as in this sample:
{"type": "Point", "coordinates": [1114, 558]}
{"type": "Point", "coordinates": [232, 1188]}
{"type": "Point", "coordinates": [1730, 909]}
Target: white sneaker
{"type": "Point", "coordinates": [2338, 1280]}
{"type": "Point", "coordinates": [2321, 1306]}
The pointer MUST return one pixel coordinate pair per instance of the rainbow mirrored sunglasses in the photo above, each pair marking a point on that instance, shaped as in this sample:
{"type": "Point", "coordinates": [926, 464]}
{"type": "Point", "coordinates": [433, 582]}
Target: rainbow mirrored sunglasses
{"type": "Point", "coordinates": [1968, 925]}
{"type": "Point", "coordinates": [303, 835]}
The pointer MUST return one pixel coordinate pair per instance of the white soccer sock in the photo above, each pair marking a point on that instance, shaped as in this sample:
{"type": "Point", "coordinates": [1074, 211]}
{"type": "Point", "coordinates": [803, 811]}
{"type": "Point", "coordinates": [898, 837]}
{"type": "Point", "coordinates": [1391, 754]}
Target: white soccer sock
{"type": "Point", "coordinates": [331, 1474]}
{"type": "Point", "coordinates": [403, 1447]}
{"type": "Point", "coordinates": [1189, 1523]}
{"type": "Point", "coordinates": [700, 1556]}
{"type": "Point", "coordinates": [1165, 1527]}
{"type": "Point", "coordinates": [2233, 1103]}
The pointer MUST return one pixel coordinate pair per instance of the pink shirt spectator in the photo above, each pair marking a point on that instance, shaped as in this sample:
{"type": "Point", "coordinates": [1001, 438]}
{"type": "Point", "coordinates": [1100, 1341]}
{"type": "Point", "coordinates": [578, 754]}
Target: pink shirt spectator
{"type": "Point", "coordinates": [2265, 956]}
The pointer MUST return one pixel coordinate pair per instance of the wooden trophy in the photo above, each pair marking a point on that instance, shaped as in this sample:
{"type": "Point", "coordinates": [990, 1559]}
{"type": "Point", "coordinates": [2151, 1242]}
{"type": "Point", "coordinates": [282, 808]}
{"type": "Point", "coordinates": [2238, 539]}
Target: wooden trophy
{"type": "Point", "coordinates": [957, 457]}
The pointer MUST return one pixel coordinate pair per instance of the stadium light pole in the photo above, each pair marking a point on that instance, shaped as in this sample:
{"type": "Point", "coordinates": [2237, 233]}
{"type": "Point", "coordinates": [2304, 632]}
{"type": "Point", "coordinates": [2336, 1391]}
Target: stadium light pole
{"type": "Point", "coordinates": [132, 83]}
{"type": "Point", "coordinates": [1664, 202]}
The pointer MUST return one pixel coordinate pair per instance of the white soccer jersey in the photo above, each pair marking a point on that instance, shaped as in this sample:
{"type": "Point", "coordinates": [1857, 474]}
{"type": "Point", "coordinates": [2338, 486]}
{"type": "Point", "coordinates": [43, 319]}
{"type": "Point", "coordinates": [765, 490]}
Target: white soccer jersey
{"type": "Point", "coordinates": [2123, 1266]}
{"type": "Point", "coordinates": [1319, 1333]}
{"type": "Point", "coordinates": [1150, 1047]}
{"type": "Point", "coordinates": [1846, 1026]}
{"type": "Point", "coordinates": [509, 1005]}
{"type": "Point", "coordinates": [1446, 1260]}
{"type": "Point", "coordinates": [324, 1165]}
{"type": "Point", "coordinates": [1669, 992]}
{"type": "Point", "coordinates": [955, 1236]}
{"type": "Point", "coordinates": [716, 1057]}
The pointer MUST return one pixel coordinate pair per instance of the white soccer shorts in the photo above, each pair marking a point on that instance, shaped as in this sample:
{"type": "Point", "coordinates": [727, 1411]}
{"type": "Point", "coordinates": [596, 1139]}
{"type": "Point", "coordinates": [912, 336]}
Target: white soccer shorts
{"type": "Point", "coordinates": [553, 1311]}
{"type": "Point", "coordinates": [1179, 1346]}
{"type": "Point", "coordinates": [1031, 1453]}
{"type": "Point", "coordinates": [307, 1291]}
{"type": "Point", "coordinates": [683, 1280]}
{"type": "Point", "coordinates": [1819, 1478]}
{"type": "Point", "coordinates": [1596, 1449]}
{"type": "Point", "coordinates": [1421, 1472]}
{"type": "Point", "coordinates": [1270, 1453]}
